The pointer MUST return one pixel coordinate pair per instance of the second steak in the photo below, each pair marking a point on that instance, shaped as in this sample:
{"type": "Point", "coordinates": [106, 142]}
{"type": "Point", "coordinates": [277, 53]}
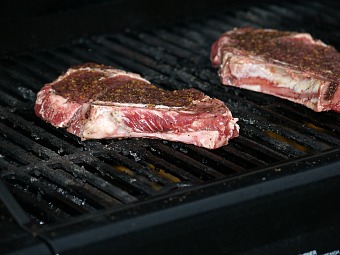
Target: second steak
{"type": "Point", "coordinates": [289, 65]}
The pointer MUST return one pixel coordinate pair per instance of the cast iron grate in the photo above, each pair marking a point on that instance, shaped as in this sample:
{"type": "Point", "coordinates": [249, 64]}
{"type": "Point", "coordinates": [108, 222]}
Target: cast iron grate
{"type": "Point", "coordinates": [55, 177]}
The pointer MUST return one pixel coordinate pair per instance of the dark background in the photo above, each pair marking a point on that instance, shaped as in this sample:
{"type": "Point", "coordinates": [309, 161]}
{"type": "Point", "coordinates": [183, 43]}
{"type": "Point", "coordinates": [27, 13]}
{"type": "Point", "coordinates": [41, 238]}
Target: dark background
{"type": "Point", "coordinates": [38, 24]}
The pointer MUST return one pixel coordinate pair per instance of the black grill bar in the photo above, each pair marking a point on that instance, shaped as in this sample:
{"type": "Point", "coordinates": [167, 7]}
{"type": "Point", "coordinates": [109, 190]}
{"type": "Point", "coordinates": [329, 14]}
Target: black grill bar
{"type": "Point", "coordinates": [61, 56]}
{"type": "Point", "coordinates": [71, 185]}
{"type": "Point", "coordinates": [39, 211]}
{"type": "Point", "coordinates": [42, 203]}
{"type": "Point", "coordinates": [15, 153]}
{"type": "Point", "coordinates": [120, 168]}
{"type": "Point", "coordinates": [261, 151]}
{"type": "Point", "coordinates": [16, 123]}
{"type": "Point", "coordinates": [87, 177]}
{"type": "Point", "coordinates": [286, 128]}
{"type": "Point", "coordinates": [23, 76]}
{"type": "Point", "coordinates": [139, 165]}
{"type": "Point", "coordinates": [160, 163]}
{"type": "Point", "coordinates": [218, 160]}
{"type": "Point", "coordinates": [205, 172]}
{"type": "Point", "coordinates": [127, 57]}
{"type": "Point", "coordinates": [12, 205]}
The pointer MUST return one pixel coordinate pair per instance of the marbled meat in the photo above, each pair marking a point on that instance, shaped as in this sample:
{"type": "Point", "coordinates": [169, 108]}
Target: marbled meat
{"type": "Point", "coordinates": [95, 101]}
{"type": "Point", "coordinates": [290, 65]}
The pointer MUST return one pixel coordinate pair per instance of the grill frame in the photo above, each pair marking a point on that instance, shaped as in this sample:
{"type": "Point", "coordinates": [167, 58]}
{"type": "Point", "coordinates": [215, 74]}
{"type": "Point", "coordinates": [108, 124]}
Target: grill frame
{"type": "Point", "coordinates": [219, 192]}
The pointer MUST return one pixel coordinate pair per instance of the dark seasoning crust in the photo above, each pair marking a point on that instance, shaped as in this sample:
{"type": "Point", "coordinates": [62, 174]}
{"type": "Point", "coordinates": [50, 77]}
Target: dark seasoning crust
{"type": "Point", "coordinates": [99, 102]}
{"type": "Point", "coordinates": [151, 95]}
{"type": "Point", "coordinates": [98, 86]}
{"type": "Point", "coordinates": [331, 90]}
{"type": "Point", "coordinates": [317, 59]}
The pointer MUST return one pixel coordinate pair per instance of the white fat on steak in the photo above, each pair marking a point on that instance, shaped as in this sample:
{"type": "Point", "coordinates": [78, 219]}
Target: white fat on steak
{"type": "Point", "coordinates": [94, 102]}
{"type": "Point", "coordinates": [288, 65]}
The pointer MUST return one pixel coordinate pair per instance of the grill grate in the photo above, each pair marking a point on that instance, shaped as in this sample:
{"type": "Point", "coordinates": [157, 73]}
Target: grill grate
{"type": "Point", "coordinates": [55, 177]}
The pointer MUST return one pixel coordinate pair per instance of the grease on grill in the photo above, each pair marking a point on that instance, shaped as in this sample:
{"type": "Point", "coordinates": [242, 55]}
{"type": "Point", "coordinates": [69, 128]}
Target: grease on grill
{"type": "Point", "coordinates": [288, 141]}
{"type": "Point", "coordinates": [124, 169]}
{"type": "Point", "coordinates": [164, 174]}
{"type": "Point", "coordinates": [311, 125]}
{"type": "Point", "coordinates": [155, 186]}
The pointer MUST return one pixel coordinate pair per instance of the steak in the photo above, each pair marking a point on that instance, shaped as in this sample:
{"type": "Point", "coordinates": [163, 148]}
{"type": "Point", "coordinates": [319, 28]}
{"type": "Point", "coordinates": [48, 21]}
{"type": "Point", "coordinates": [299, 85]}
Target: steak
{"type": "Point", "coordinates": [95, 101]}
{"type": "Point", "coordinates": [290, 65]}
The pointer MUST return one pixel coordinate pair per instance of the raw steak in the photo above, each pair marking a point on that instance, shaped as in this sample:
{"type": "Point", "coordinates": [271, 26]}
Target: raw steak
{"type": "Point", "coordinates": [289, 65]}
{"type": "Point", "coordinates": [95, 101]}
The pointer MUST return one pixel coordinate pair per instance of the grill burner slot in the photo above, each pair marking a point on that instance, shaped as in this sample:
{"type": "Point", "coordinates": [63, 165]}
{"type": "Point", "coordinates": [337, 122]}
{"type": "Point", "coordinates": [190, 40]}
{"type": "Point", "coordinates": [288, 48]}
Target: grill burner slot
{"type": "Point", "coordinates": [59, 180]}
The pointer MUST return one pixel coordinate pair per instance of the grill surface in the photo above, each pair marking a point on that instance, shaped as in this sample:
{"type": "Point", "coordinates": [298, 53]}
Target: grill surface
{"type": "Point", "coordinates": [60, 182]}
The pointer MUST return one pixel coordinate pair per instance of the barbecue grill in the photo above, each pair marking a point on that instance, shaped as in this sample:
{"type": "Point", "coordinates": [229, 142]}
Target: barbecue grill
{"type": "Point", "coordinates": [273, 190]}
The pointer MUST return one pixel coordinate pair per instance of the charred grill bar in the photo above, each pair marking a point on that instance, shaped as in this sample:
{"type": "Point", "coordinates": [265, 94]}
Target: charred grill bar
{"type": "Point", "coordinates": [273, 189]}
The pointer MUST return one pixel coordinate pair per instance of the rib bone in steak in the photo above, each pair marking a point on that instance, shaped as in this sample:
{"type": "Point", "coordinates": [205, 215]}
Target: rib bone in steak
{"type": "Point", "coordinates": [289, 65]}
{"type": "Point", "coordinates": [95, 101]}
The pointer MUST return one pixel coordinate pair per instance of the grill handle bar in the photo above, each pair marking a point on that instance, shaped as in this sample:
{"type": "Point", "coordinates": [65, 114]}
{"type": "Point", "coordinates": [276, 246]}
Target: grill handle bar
{"type": "Point", "coordinates": [19, 215]}
{"type": "Point", "coordinates": [12, 205]}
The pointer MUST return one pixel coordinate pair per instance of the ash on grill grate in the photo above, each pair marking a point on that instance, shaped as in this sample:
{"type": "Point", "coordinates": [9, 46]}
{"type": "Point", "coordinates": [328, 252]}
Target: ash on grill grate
{"type": "Point", "coordinates": [55, 176]}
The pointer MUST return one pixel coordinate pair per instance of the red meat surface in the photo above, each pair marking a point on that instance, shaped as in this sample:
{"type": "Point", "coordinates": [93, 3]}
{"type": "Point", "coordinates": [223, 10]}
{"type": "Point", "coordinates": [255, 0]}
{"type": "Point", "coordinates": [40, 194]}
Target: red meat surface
{"type": "Point", "coordinates": [289, 65]}
{"type": "Point", "coordinates": [95, 101]}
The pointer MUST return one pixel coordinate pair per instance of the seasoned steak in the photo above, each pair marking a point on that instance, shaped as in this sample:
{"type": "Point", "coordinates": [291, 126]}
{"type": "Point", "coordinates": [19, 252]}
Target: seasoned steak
{"type": "Point", "coordinates": [289, 65]}
{"type": "Point", "coordinates": [95, 101]}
